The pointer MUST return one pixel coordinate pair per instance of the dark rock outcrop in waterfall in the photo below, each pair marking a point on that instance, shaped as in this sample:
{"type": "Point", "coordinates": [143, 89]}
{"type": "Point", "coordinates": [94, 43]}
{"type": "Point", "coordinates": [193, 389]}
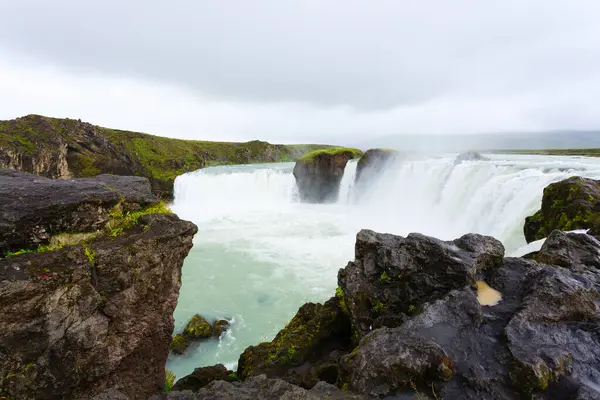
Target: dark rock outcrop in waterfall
{"type": "Point", "coordinates": [570, 204]}
{"type": "Point", "coordinates": [469, 156]}
{"type": "Point", "coordinates": [318, 174]}
{"type": "Point", "coordinates": [92, 314]}
{"type": "Point", "coordinates": [419, 327]}
{"type": "Point", "coordinates": [67, 148]}
{"type": "Point", "coordinates": [372, 162]}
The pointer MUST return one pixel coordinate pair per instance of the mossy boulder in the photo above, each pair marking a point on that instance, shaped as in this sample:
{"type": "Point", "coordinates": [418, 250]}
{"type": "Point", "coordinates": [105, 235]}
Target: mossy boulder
{"type": "Point", "coordinates": [219, 327]}
{"type": "Point", "coordinates": [198, 328]}
{"type": "Point", "coordinates": [179, 344]}
{"type": "Point", "coordinates": [67, 148]}
{"type": "Point", "coordinates": [373, 161]}
{"type": "Point", "coordinates": [570, 204]}
{"type": "Point", "coordinates": [313, 339]}
{"type": "Point", "coordinates": [319, 173]}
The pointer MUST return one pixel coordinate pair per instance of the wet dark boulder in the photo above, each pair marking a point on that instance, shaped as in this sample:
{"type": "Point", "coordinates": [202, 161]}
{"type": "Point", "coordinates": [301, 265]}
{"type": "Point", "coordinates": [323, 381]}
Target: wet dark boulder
{"type": "Point", "coordinates": [201, 377]}
{"type": "Point", "coordinates": [469, 156]}
{"type": "Point", "coordinates": [569, 250]}
{"type": "Point", "coordinates": [319, 174]}
{"type": "Point", "coordinates": [372, 162]}
{"type": "Point", "coordinates": [541, 340]}
{"type": "Point", "coordinates": [567, 205]}
{"type": "Point", "coordinates": [305, 350]}
{"type": "Point", "coordinates": [392, 277]}
{"type": "Point", "coordinates": [219, 327]}
{"type": "Point", "coordinates": [261, 388]}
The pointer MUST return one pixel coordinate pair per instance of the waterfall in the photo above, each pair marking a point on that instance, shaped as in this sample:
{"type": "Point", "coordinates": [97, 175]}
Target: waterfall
{"type": "Point", "coordinates": [260, 252]}
{"type": "Point", "coordinates": [347, 183]}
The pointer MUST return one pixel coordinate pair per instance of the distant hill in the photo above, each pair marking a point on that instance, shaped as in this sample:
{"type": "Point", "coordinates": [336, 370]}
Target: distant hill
{"type": "Point", "coordinates": [491, 141]}
{"type": "Point", "coordinates": [65, 148]}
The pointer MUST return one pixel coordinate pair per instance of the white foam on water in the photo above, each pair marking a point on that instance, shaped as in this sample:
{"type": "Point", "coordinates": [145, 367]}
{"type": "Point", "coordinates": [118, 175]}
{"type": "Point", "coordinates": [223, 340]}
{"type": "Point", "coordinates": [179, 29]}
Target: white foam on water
{"type": "Point", "coordinates": [260, 254]}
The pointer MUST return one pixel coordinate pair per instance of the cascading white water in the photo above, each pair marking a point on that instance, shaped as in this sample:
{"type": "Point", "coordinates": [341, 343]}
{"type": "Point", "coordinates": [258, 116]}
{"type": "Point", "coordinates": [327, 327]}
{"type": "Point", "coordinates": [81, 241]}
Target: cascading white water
{"type": "Point", "coordinates": [347, 183]}
{"type": "Point", "coordinates": [260, 253]}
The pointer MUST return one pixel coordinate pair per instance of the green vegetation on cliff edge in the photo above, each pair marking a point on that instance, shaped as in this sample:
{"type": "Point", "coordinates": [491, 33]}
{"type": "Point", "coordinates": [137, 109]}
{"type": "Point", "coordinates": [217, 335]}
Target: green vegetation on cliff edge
{"type": "Point", "coordinates": [332, 151]}
{"type": "Point", "coordinates": [91, 150]}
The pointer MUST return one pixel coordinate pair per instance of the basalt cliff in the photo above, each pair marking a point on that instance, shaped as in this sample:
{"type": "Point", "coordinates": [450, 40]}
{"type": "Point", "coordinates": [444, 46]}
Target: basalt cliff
{"type": "Point", "coordinates": [68, 148]}
{"type": "Point", "coordinates": [90, 271]}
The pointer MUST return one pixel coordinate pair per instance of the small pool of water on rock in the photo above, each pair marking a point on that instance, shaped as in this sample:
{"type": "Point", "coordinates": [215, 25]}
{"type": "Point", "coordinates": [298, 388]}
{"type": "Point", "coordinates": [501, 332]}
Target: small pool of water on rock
{"type": "Point", "coordinates": [486, 295]}
{"type": "Point", "coordinates": [260, 254]}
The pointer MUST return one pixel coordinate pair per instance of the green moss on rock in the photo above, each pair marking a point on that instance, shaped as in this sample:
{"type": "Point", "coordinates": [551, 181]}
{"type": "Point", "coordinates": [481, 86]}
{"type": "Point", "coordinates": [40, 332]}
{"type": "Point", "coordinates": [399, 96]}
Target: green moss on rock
{"type": "Point", "coordinates": [332, 151]}
{"type": "Point", "coordinates": [570, 204]}
{"type": "Point", "coordinates": [198, 328]}
{"type": "Point", "coordinates": [179, 344]}
{"type": "Point", "coordinates": [315, 330]}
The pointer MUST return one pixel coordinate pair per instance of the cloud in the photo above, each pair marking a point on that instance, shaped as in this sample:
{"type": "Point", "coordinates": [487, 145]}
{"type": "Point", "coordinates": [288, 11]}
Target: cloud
{"type": "Point", "coordinates": [304, 71]}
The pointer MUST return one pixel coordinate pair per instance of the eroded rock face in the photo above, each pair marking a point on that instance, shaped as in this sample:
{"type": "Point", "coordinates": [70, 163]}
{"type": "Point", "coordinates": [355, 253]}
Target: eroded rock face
{"type": "Point", "coordinates": [33, 208]}
{"type": "Point", "coordinates": [570, 204]}
{"type": "Point", "coordinates": [319, 177]}
{"type": "Point", "coordinates": [392, 277]}
{"type": "Point", "coordinates": [91, 318]}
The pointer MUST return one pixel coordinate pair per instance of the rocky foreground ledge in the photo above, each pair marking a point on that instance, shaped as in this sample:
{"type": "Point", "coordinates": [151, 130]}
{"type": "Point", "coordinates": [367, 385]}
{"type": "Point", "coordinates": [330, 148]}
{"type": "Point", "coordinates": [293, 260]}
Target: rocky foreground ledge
{"type": "Point", "coordinates": [413, 318]}
{"type": "Point", "coordinates": [89, 280]}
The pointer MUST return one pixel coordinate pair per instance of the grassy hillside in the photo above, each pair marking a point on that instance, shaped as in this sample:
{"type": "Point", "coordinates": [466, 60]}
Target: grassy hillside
{"type": "Point", "coordinates": [41, 145]}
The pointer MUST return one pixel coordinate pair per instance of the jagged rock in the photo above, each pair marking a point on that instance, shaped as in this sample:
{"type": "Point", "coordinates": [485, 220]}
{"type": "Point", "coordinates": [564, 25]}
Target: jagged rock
{"type": "Point", "coordinates": [84, 319]}
{"type": "Point", "coordinates": [372, 163]}
{"type": "Point", "coordinates": [569, 250]}
{"type": "Point", "coordinates": [219, 327]}
{"type": "Point", "coordinates": [33, 208]}
{"type": "Point", "coordinates": [318, 174]}
{"type": "Point", "coordinates": [302, 351]}
{"type": "Point", "coordinates": [201, 377]}
{"type": "Point", "coordinates": [392, 276]}
{"type": "Point", "coordinates": [469, 156]}
{"type": "Point", "coordinates": [567, 205]}
{"type": "Point", "coordinates": [541, 339]}
{"type": "Point", "coordinates": [262, 388]}
{"type": "Point", "coordinates": [198, 328]}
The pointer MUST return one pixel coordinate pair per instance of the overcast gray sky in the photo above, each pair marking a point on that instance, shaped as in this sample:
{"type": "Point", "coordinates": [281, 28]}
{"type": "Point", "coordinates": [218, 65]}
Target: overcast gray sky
{"type": "Point", "coordinates": [304, 70]}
